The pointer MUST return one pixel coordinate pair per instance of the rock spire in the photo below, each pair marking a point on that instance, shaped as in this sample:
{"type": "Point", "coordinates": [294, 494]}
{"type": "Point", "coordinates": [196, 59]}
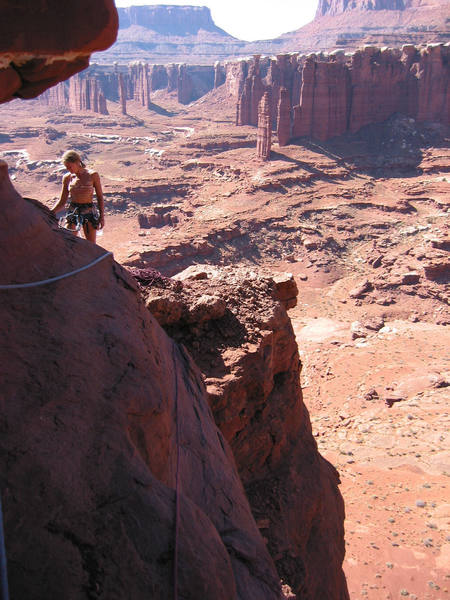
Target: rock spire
{"type": "Point", "coordinates": [264, 135]}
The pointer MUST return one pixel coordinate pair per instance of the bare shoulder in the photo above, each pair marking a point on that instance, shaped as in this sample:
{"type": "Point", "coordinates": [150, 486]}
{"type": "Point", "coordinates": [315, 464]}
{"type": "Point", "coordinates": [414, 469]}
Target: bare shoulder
{"type": "Point", "coordinates": [66, 178]}
{"type": "Point", "coordinates": [95, 176]}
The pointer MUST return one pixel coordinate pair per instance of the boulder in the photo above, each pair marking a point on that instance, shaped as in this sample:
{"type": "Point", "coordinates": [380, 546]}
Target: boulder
{"type": "Point", "coordinates": [286, 289]}
{"type": "Point", "coordinates": [361, 289]}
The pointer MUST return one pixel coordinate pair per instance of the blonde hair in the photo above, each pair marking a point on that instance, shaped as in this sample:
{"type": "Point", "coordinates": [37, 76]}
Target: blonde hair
{"type": "Point", "coordinates": [72, 157]}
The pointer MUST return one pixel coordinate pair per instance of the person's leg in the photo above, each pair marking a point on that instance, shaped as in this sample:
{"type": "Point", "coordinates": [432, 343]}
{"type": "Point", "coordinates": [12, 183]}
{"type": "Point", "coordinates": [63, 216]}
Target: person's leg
{"type": "Point", "coordinates": [73, 228]}
{"type": "Point", "coordinates": [90, 233]}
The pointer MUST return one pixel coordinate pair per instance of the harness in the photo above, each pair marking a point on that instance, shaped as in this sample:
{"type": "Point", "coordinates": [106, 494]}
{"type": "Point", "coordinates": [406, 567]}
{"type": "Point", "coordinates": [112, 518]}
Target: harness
{"type": "Point", "coordinates": [77, 216]}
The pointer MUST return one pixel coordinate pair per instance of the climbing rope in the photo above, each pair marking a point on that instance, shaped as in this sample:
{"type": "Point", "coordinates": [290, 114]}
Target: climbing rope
{"type": "Point", "coordinates": [3, 570]}
{"type": "Point", "coordinates": [16, 286]}
{"type": "Point", "coordinates": [177, 481]}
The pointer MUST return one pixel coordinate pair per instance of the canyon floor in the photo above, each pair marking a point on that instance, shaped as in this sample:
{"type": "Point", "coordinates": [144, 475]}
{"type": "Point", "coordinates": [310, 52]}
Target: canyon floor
{"type": "Point", "coordinates": [362, 223]}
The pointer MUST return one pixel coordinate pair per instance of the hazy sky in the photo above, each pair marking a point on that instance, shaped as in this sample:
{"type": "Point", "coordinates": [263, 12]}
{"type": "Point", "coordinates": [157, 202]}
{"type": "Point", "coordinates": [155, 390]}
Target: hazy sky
{"type": "Point", "coordinates": [250, 19]}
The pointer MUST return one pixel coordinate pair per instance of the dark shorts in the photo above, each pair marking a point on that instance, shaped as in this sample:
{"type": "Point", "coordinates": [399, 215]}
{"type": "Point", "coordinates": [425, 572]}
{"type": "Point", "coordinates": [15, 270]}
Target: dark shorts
{"type": "Point", "coordinates": [82, 214]}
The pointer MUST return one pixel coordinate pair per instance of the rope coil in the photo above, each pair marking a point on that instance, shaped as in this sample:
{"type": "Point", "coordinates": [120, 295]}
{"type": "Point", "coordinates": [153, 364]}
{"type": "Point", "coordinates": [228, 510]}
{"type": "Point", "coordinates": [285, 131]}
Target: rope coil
{"type": "Point", "coordinates": [17, 286]}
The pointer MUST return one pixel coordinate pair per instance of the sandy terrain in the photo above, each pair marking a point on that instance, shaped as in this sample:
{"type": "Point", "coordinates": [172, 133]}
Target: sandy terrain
{"type": "Point", "coordinates": [183, 186]}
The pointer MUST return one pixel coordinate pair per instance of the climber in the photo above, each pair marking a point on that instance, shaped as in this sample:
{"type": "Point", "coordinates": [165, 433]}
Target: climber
{"type": "Point", "coordinates": [78, 186]}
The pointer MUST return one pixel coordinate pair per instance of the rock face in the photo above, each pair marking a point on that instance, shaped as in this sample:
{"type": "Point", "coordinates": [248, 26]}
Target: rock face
{"type": "Point", "coordinates": [141, 84]}
{"type": "Point", "coordinates": [324, 100]}
{"type": "Point", "coordinates": [84, 94]}
{"type": "Point", "coordinates": [334, 7]}
{"type": "Point", "coordinates": [163, 34]}
{"type": "Point", "coordinates": [264, 135]}
{"type": "Point", "coordinates": [122, 95]}
{"type": "Point", "coordinates": [350, 24]}
{"type": "Point", "coordinates": [36, 51]}
{"type": "Point", "coordinates": [284, 118]}
{"type": "Point", "coordinates": [333, 94]}
{"type": "Point", "coordinates": [235, 325]}
{"type": "Point", "coordinates": [169, 20]}
{"type": "Point", "coordinates": [139, 80]}
{"type": "Point", "coordinates": [56, 95]}
{"type": "Point", "coordinates": [93, 445]}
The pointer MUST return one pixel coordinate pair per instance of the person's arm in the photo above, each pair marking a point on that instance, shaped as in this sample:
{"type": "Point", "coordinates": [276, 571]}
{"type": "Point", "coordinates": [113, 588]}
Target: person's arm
{"type": "Point", "coordinates": [64, 195]}
{"type": "Point", "coordinates": [100, 200]}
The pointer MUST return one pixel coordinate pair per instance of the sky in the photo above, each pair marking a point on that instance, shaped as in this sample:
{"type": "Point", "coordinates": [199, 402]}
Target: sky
{"type": "Point", "coordinates": [250, 19]}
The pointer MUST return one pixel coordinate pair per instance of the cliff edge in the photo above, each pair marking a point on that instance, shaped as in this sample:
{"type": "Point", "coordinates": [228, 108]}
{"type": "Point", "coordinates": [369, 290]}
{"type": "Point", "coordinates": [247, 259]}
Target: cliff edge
{"type": "Point", "coordinates": [115, 480]}
{"type": "Point", "coordinates": [235, 324]}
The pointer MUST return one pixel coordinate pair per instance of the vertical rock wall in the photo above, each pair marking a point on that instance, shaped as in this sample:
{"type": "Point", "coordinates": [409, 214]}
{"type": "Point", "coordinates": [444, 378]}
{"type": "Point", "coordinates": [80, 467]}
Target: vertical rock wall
{"type": "Point", "coordinates": [336, 93]}
{"type": "Point", "coordinates": [184, 85]}
{"type": "Point", "coordinates": [102, 106]}
{"type": "Point", "coordinates": [235, 76]}
{"type": "Point", "coordinates": [219, 75]}
{"type": "Point", "coordinates": [284, 117]}
{"type": "Point", "coordinates": [122, 95]}
{"type": "Point", "coordinates": [136, 82]}
{"type": "Point", "coordinates": [159, 78]}
{"type": "Point", "coordinates": [84, 94]}
{"type": "Point", "coordinates": [255, 395]}
{"type": "Point", "coordinates": [432, 72]}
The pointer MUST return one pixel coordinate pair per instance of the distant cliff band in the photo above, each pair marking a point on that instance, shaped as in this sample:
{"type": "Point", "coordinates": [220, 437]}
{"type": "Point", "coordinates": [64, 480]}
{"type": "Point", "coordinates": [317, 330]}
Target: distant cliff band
{"type": "Point", "coordinates": [315, 95]}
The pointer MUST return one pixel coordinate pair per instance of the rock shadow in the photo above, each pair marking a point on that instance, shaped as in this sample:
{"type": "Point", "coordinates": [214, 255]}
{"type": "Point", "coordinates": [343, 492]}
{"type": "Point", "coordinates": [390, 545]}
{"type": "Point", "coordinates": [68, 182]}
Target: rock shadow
{"type": "Point", "coordinates": [397, 145]}
{"type": "Point", "coordinates": [160, 110]}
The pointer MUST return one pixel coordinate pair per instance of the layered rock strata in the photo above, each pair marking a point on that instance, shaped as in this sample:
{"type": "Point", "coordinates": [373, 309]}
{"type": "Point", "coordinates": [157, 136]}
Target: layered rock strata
{"type": "Point", "coordinates": [179, 34]}
{"type": "Point", "coordinates": [350, 24]}
{"type": "Point", "coordinates": [169, 20]}
{"type": "Point", "coordinates": [333, 94]}
{"type": "Point", "coordinates": [334, 7]}
{"type": "Point", "coordinates": [110, 458]}
{"type": "Point", "coordinates": [235, 325]}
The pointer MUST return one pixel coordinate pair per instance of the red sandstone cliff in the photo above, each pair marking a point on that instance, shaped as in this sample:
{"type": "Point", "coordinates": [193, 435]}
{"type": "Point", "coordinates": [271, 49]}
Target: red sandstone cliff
{"type": "Point", "coordinates": [37, 50]}
{"type": "Point", "coordinates": [336, 93]}
{"type": "Point", "coordinates": [99, 408]}
{"type": "Point", "coordinates": [235, 325]}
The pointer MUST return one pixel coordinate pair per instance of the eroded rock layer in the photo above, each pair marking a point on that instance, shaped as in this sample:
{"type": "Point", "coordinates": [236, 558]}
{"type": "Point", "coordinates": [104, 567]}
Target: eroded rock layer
{"type": "Point", "coordinates": [235, 325]}
{"type": "Point", "coordinates": [333, 7]}
{"type": "Point", "coordinates": [337, 93]}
